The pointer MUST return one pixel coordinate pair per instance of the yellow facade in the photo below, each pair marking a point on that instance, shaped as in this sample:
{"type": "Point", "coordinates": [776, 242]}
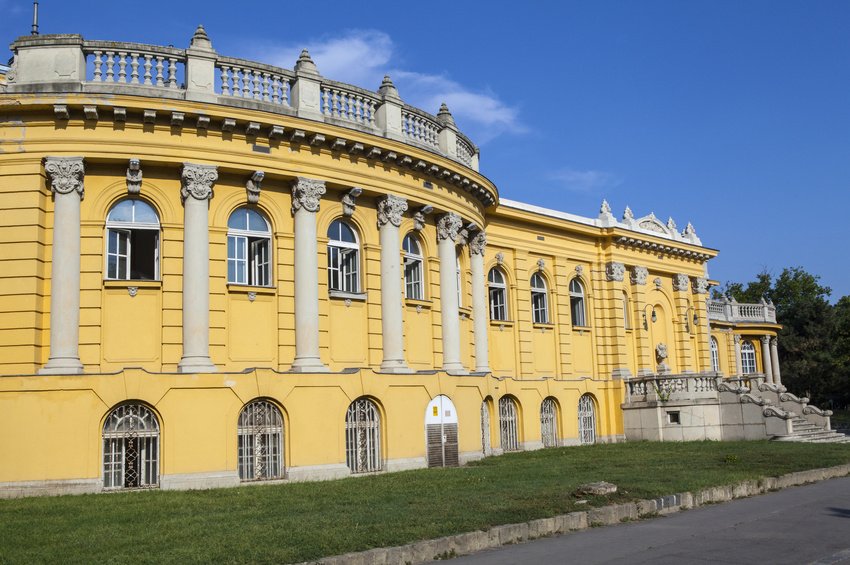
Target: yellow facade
{"type": "Point", "coordinates": [131, 331]}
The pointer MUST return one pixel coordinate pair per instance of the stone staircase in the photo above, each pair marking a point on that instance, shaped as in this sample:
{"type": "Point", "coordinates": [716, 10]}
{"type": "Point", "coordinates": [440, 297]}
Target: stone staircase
{"type": "Point", "coordinates": [808, 432]}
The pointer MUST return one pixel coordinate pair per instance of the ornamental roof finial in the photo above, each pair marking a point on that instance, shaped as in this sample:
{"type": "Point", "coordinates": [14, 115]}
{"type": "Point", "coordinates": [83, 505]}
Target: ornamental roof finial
{"type": "Point", "coordinates": [305, 64]}
{"type": "Point", "coordinates": [200, 38]}
{"type": "Point", "coordinates": [388, 89]}
{"type": "Point", "coordinates": [444, 116]}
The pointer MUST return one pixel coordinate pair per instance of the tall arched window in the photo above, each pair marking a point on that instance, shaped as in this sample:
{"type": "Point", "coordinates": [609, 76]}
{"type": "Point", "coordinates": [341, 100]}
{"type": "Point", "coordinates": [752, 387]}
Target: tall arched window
{"type": "Point", "coordinates": [260, 445]}
{"type": "Point", "coordinates": [343, 258]}
{"type": "Point", "coordinates": [248, 248]}
{"type": "Point", "coordinates": [748, 357]}
{"type": "Point", "coordinates": [586, 420]}
{"type": "Point", "coordinates": [130, 448]}
{"type": "Point", "coordinates": [363, 437]}
{"type": "Point", "coordinates": [498, 295]}
{"type": "Point", "coordinates": [539, 299]}
{"type": "Point", "coordinates": [486, 445]}
{"type": "Point", "coordinates": [715, 355]}
{"type": "Point", "coordinates": [627, 319]}
{"type": "Point", "coordinates": [132, 241]}
{"type": "Point", "coordinates": [577, 307]}
{"type": "Point", "coordinates": [508, 424]}
{"type": "Point", "coordinates": [459, 282]}
{"type": "Point", "coordinates": [414, 285]}
{"type": "Point", "coordinates": [549, 422]}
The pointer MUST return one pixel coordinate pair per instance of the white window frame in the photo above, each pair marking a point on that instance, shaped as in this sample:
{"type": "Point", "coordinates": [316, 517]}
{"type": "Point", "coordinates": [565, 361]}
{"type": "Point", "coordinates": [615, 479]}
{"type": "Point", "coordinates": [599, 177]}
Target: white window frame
{"type": "Point", "coordinates": [343, 262]}
{"type": "Point", "coordinates": [748, 358]}
{"type": "Point", "coordinates": [714, 347]}
{"type": "Point", "coordinates": [122, 231]}
{"type": "Point", "coordinates": [252, 267]}
{"type": "Point", "coordinates": [260, 441]}
{"type": "Point", "coordinates": [497, 292]}
{"type": "Point", "coordinates": [414, 268]}
{"type": "Point", "coordinates": [578, 304]}
{"type": "Point", "coordinates": [539, 299]}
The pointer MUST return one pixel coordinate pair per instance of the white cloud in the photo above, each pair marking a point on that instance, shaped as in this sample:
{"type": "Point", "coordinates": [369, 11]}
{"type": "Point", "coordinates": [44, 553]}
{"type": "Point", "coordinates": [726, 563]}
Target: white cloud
{"type": "Point", "coordinates": [584, 181]}
{"type": "Point", "coordinates": [363, 57]}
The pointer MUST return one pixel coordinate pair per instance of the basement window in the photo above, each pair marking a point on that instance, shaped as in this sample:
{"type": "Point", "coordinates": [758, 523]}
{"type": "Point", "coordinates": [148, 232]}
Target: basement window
{"type": "Point", "coordinates": [674, 418]}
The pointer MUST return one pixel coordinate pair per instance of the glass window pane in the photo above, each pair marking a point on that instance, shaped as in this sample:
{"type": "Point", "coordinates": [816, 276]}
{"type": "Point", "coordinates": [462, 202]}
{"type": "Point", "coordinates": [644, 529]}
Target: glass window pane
{"type": "Point", "coordinates": [256, 222]}
{"type": "Point", "coordinates": [238, 220]}
{"type": "Point", "coordinates": [121, 212]}
{"type": "Point", "coordinates": [144, 213]}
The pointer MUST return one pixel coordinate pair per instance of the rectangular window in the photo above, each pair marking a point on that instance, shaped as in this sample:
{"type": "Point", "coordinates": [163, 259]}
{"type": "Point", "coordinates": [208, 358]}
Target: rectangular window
{"type": "Point", "coordinates": [237, 259]}
{"type": "Point", "coordinates": [577, 307]}
{"type": "Point", "coordinates": [538, 308]}
{"type": "Point", "coordinates": [497, 304]}
{"type": "Point", "coordinates": [261, 272]}
{"type": "Point", "coordinates": [117, 254]}
{"type": "Point", "coordinates": [413, 279]}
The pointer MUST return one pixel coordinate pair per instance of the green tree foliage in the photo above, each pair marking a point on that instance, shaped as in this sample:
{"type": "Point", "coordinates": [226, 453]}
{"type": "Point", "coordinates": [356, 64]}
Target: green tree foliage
{"type": "Point", "coordinates": [814, 343]}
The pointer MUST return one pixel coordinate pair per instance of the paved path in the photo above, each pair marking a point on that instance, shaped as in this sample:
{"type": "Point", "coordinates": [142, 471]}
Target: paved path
{"type": "Point", "coordinates": [808, 524]}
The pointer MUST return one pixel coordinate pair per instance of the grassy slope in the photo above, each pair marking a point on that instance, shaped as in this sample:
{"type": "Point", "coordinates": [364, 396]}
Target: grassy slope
{"type": "Point", "coordinates": [295, 522]}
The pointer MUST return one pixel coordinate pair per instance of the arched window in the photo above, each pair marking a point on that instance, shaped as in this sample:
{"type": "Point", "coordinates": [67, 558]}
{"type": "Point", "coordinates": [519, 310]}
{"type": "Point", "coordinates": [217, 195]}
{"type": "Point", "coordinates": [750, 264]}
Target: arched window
{"type": "Point", "coordinates": [363, 437]}
{"type": "Point", "coordinates": [248, 248]}
{"type": "Point", "coordinates": [586, 420]}
{"type": "Point", "coordinates": [748, 357]}
{"type": "Point", "coordinates": [508, 424]}
{"type": "Point", "coordinates": [715, 355]}
{"type": "Point", "coordinates": [539, 299]}
{"type": "Point", "coordinates": [627, 319]}
{"type": "Point", "coordinates": [459, 283]}
{"type": "Point", "coordinates": [260, 447]}
{"type": "Point", "coordinates": [498, 295]}
{"type": "Point", "coordinates": [132, 241]}
{"type": "Point", "coordinates": [130, 448]}
{"type": "Point", "coordinates": [577, 303]}
{"type": "Point", "coordinates": [549, 422]}
{"type": "Point", "coordinates": [486, 445]}
{"type": "Point", "coordinates": [414, 286]}
{"type": "Point", "coordinates": [343, 258]}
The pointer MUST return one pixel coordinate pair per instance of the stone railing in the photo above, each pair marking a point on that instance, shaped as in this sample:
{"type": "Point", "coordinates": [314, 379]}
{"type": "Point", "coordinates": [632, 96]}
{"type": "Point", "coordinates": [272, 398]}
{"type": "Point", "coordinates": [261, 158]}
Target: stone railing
{"type": "Point", "coordinates": [664, 388]}
{"type": "Point", "coordinates": [731, 311]}
{"type": "Point", "coordinates": [69, 63]}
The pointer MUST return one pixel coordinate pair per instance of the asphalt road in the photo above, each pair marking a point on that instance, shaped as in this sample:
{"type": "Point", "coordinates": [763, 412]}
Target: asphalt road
{"type": "Point", "coordinates": [808, 524]}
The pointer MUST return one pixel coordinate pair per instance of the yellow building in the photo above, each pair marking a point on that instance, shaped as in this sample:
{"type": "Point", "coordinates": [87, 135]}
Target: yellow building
{"type": "Point", "coordinates": [216, 270]}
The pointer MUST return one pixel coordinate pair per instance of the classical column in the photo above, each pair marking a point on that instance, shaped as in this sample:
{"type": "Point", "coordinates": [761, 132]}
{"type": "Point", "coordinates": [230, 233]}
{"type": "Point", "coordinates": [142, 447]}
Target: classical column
{"type": "Point", "coordinates": [738, 362]}
{"type": "Point", "coordinates": [306, 194]}
{"type": "Point", "coordinates": [480, 316]}
{"type": "Point", "coordinates": [66, 182]}
{"type": "Point", "coordinates": [196, 192]}
{"type": "Point", "coordinates": [774, 360]}
{"type": "Point", "coordinates": [448, 226]}
{"type": "Point", "coordinates": [765, 358]}
{"type": "Point", "coordinates": [390, 210]}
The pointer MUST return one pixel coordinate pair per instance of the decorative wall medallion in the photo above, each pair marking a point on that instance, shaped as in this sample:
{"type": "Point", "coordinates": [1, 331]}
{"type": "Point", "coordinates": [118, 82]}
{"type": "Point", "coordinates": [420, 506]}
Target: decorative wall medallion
{"type": "Point", "coordinates": [349, 200]}
{"type": "Point", "coordinates": [579, 270]}
{"type": "Point", "coordinates": [132, 290]}
{"type": "Point", "coordinates": [252, 296]}
{"type": "Point", "coordinates": [541, 264]}
{"type": "Point", "coordinates": [253, 186]}
{"type": "Point", "coordinates": [657, 281]}
{"type": "Point", "coordinates": [500, 258]}
{"type": "Point", "coordinates": [347, 302]}
{"type": "Point", "coordinates": [134, 176]}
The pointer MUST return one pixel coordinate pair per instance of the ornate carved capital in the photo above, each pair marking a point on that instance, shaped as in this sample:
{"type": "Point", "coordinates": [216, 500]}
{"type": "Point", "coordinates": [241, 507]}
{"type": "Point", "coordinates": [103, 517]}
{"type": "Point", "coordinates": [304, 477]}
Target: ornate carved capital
{"type": "Point", "coordinates": [700, 285]}
{"type": "Point", "coordinates": [134, 176]}
{"type": "Point", "coordinates": [390, 210]}
{"type": "Point", "coordinates": [639, 275]}
{"type": "Point", "coordinates": [198, 181]}
{"type": "Point", "coordinates": [765, 340]}
{"type": "Point", "coordinates": [681, 282]}
{"type": "Point", "coordinates": [615, 271]}
{"type": "Point", "coordinates": [306, 194]}
{"type": "Point", "coordinates": [737, 339]}
{"type": "Point", "coordinates": [478, 244]}
{"type": "Point", "coordinates": [774, 341]}
{"type": "Point", "coordinates": [253, 186]}
{"type": "Point", "coordinates": [65, 174]}
{"type": "Point", "coordinates": [448, 227]}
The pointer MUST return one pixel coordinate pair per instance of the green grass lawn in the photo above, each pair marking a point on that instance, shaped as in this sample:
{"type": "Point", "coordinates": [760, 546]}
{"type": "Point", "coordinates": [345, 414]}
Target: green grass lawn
{"type": "Point", "coordinates": [296, 522]}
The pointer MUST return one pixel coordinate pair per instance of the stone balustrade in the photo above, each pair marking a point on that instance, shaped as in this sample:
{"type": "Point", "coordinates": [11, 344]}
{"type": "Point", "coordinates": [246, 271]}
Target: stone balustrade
{"type": "Point", "coordinates": [671, 387]}
{"type": "Point", "coordinates": [69, 63]}
{"type": "Point", "coordinates": [725, 310]}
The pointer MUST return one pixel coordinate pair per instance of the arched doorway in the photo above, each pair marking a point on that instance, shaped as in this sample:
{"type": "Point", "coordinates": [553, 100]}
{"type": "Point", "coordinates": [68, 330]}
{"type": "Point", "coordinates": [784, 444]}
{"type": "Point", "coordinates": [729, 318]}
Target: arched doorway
{"type": "Point", "coordinates": [441, 433]}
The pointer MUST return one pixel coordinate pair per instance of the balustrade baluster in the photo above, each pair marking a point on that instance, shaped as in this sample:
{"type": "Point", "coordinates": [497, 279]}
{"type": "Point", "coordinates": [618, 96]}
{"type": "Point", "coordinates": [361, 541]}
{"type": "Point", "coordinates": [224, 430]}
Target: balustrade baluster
{"type": "Point", "coordinates": [110, 72]}
{"type": "Point", "coordinates": [325, 106]}
{"type": "Point", "coordinates": [335, 103]}
{"type": "Point", "coordinates": [172, 72]}
{"type": "Point", "coordinates": [266, 87]}
{"type": "Point", "coordinates": [255, 81]}
{"type": "Point", "coordinates": [237, 91]}
{"type": "Point", "coordinates": [122, 67]}
{"type": "Point", "coordinates": [159, 79]}
{"type": "Point", "coordinates": [371, 113]}
{"type": "Point", "coordinates": [98, 63]}
{"type": "Point", "coordinates": [148, 69]}
{"type": "Point", "coordinates": [225, 81]}
{"type": "Point", "coordinates": [134, 68]}
{"type": "Point", "coordinates": [246, 83]}
{"type": "Point", "coordinates": [285, 94]}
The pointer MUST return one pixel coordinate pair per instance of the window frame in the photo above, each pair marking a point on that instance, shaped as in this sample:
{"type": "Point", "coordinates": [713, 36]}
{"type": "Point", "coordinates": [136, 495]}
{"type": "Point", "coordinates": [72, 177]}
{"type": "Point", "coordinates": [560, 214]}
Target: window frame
{"type": "Point", "coordinates": [116, 438]}
{"type": "Point", "coordinates": [250, 432]}
{"type": "Point", "coordinates": [578, 304]}
{"type": "Point", "coordinates": [414, 268]}
{"type": "Point", "coordinates": [254, 268]}
{"type": "Point", "coordinates": [714, 349]}
{"type": "Point", "coordinates": [363, 431]}
{"type": "Point", "coordinates": [540, 293]}
{"type": "Point", "coordinates": [347, 271]}
{"type": "Point", "coordinates": [126, 231]}
{"type": "Point", "coordinates": [495, 290]}
{"type": "Point", "coordinates": [748, 358]}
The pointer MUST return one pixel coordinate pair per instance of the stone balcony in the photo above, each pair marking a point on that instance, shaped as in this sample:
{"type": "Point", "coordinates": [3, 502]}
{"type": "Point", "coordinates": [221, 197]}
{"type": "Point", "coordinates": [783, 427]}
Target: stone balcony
{"type": "Point", "coordinates": [69, 63]}
{"type": "Point", "coordinates": [729, 310]}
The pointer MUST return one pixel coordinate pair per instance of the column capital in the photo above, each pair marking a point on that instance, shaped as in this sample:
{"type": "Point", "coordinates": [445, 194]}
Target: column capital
{"type": "Point", "coordinates": [198, 181]}
{"type": "Point", "coordinates": [639, 275]}
{"type": "Point", "coordinates": [774, 341]}
{"type": "Point", "coordinates": [478, 243]}
{"type": "Point", "coordinates": [615, 271]}
{"type": "Point", "coordinates": [765, 339]}
{"type": "Point", "coordinates": [448, 226]}
{"type": "Point", "coordinates": [390, 210]}
{"type": "Point", "coordinates": [306, 194]}
{"type": "Point", "coordinates": [700, 285]}
{"type": "Point", "coordinates": [66, 174]}
{"type": "Point", "coordinates": [681, 282]}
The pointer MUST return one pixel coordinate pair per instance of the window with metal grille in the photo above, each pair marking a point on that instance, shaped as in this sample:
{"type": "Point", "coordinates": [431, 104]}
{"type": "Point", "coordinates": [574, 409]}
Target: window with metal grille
{"type": "Point", "coordinates": [486, 445]}
{"type": "Point", "coordinates": [130, 448]}
{"type": "Point", "coordinates": [715, 355]}
{"type": "Point", "coordinates": [498, 295]}
{"type": "Point", "coordinates": [248, 248]}
{"type": "Point", "coordinates": [343, 258]}
{"type": "Point", "coordinates": [748, 357]}
{"type": "Point", "coordinates": [586, 420]}
{"type": "Point", "coordinates": [132, 241]}
{"type": "Point", "coordinates": [577, 307]}
{"type": "Point", "coordinates": [539, 300]}
{"type": "Point", "coordinates": [508, 424]}
{"type": "Point", "coordinates": [549, 423]}
{"type": "Point", "coordinates": [260, 441]}
{"type": "Point", "coordinates": [414, 286]}
{"type": "Point", "coordinates": [363, 437]}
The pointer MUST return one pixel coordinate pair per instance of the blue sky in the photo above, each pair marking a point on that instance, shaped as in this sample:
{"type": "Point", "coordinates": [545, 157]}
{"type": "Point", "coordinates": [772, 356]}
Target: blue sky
{"type": "Point", "coordinates": [734, 116]}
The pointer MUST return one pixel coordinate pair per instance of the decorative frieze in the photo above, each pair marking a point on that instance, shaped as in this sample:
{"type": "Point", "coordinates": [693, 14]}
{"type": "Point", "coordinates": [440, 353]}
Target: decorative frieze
{"type": "Point", "coordinates": [615, 271]}
{"type": "Point", "coordinates": [198, 181]}
{"type": "Point", "coordinates": [65, 174]}
{"type": "Point", "coordinates": [478, 243]}
{"type": "Point", "coordinates": [681, 282]}
{"type": "Point", "coordinates": [448, 226]}
{"type": "Point", "coordinates": [253, 186]}
{"type": "Point", "coordinates": [349, 200]}
{"type": "Point", "coordinates": [700, 285]}
{"type": "Point", "coordinates": [639, 275]}
{"type": "Point", "coordinates": [391, 208]}
{"type": "Point", "coordinates": [134, 176]}
{"type": "Point", "coordinates": [306, 194]}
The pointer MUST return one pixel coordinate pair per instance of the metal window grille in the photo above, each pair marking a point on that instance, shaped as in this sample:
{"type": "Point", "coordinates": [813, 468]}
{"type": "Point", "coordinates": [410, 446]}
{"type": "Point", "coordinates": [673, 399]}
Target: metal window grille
{"type": "Point", "coordinates": [498, 295]}
{"type": "Point", "coordinates": [508, 424]}
{"type": "Point", "coordinates": [130, 448]}
{"type": "Point", "coordinates": [248, 248]}
{"type": "Point", "coordinates": [132, 241]}
{"type": "Point", "coordinates": [539, 300]}
{"type": "Point", "coordinates": [260, 441]}
{"type": "Point", "coordinates": [363, 437]}
{"type": "Point", "coordinates": [748, 358]}
{"type": "Point", "coordinates": [577, 303]}
{"type": "Point", "coordinates": [486, 446]}
{"type": "Point", "coordinates": [549, 423]}
{"type": "Point", "coordinates": [586, 420]}
{"type": "Point", "coordinates": [343, 258]}
{"type": "Point", "coordinates": [715, 355]}
{"type": "Point", "coordinates": [413, 269]}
